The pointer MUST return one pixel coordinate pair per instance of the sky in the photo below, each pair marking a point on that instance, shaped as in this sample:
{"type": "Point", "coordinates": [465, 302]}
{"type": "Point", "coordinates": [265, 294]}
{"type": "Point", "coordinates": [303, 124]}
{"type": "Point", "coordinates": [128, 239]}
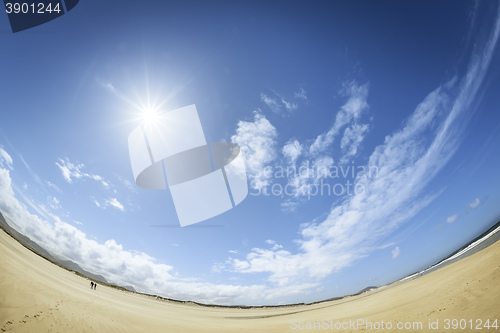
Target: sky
{"type": "Point", "coordinates": [369, 129]}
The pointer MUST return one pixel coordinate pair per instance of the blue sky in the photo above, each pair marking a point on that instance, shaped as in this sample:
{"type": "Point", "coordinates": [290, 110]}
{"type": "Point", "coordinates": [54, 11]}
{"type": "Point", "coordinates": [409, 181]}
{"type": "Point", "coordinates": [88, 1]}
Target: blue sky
{"type": "Point", "coordinates": [340, 86]}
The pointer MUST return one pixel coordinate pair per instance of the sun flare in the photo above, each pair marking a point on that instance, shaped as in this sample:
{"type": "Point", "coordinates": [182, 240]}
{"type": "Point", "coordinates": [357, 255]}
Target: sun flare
{"type": "Point", "coordinates": [149, 116]}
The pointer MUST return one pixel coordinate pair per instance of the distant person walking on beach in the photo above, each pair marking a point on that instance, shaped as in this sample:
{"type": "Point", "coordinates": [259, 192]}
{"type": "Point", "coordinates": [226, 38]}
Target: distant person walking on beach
{"type": "Point", "coordinates": [91, 285]}
{"type": "Point", "coordinates": [95, 285]}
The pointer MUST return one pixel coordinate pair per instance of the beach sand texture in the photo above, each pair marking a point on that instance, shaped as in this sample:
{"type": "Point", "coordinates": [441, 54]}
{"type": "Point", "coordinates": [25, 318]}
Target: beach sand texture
{"type": "Point", "coordinates": [38, 296]}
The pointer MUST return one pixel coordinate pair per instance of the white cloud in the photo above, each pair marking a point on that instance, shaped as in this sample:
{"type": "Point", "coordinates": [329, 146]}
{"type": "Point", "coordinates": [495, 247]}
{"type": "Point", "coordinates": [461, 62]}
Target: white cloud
{"type": "Point", "coordinates": [306, 179]}
{"type": "Point", "coordinates": [233, 251]}
{"type": "Point", "coordinates": [406, 162]}
{"type": "Point", "coordinates": [257, 141]}
{"type": "Point", "coordinates": [95, 201]}
{"type": "Point", "coordinates": [271, 103]}
{"type": "Point", "coordinates": [396, 252]}
{"type": "Point", "coordinates": [128, 184]}
{"type": "Point", "coordinates": [475, 204]}
{"type": "Point", "coordinates": [289, 106]}
{"type": "Point", "coordinates": [71, 171]}
{"type": "Point", "coordinates": [54, 202]}
{"type": "Point", "coordinates": [301, 94]}
{"type": "Point", "coordinates": [289, 206]}
{"type": "Point", "coordinates": [352, 138]}
{"type": "Point", "coordinates": [106, 85]}
{"type": "Point", "coordinates": [5, 159]}
{"type": "Point", "coordinates": [113, 202]}
{"type": "Point", "coordinates": [275, 245]}
{"type": "Point", "coordinates": [351, 111]}
{"type": "Point", "coordinates": [292, 150]}
{"type": "Point", "coordinates": [452, 218]}
{"type": "Point", "coordinates": [54, 186]}
{"type": "Point", "coordinates": [278, 103]}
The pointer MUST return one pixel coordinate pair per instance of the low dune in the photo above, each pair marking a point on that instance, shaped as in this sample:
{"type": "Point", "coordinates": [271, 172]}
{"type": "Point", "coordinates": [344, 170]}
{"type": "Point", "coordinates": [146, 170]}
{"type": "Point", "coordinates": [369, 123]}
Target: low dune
{"type": "Point", "coordinates": [38, 296]}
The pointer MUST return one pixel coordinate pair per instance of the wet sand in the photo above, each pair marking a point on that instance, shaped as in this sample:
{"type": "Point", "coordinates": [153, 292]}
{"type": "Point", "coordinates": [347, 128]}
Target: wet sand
{"type": "Point", "coordinates": [38, 296]}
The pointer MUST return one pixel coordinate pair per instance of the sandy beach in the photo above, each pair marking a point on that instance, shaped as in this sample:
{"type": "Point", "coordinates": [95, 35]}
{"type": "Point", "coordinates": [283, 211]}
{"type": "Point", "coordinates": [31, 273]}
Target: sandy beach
{"type": "Point", "coordinates": [38, 296]}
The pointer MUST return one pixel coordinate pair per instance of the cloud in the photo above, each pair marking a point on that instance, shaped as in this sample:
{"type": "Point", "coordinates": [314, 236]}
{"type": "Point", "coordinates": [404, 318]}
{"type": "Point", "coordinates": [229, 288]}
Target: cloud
{"type": "Point", "coordinates": [278, 103]}
{"type": "Point", "coordinates": [54, 203]}
{"type": "Point", "coordinates": [71, 171]}
{"type": "Point", "coordinates": [406, 162]}
{"type": "Point", "coordinates": [301, 94]}
{"type": "Point", "coordinates": [128, 184]}
{"type": "Point", "coordinates": [106, 85]}
{"type": "Point", "coordinates": [292, 150]}
{"type": "Point", "coordinates": [314, 171]}
{"type": "Point", "coordinates": [96, 202]}
{"type": "Point", "coordinates": [351, 111]}
{"type": "Point", "coordinates": [308, 176]}
{"type": "Point", "coordinates": [113, 202]}
{"type": "Point", "coordinates": [396, 252]}
{"type": "Point", "coordinates": [475, 204]}
{"type": "Point", "coordinates": [353, 136]}
{"type": "Point", "coordinates": [5, 159]}
{"type": "Point", "coordinates": [54, 186]}
{"type": "Point", "coordinates": [289, 106]}
{"type": "Point", "coordinates": [271, 103]}
{"type": "Point", "coordinates": [257, 141]}
{"type": "Point", "coordinates": [289, 206]}
{"type": "Point", "coordinates": [452, 218]}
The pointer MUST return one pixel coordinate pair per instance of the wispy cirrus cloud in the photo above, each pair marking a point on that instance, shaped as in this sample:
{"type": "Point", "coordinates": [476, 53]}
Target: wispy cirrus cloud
{"type": "Point", "coordinates": [396, 252]}
{"type": "Point", "coordinates": [113, 202]}
{"type": "Point", "coordinates": [106, 85]}
{"type": "Point", "coordinates": [272, 103]}
{"type": "Point", "coordinates": [281, 105]}
{"type": "Point", "coordinates": [72, 171]}
{"type": "Point", "coordinates": [54, 187]}
{"type": "Point", "coordinates": [452, 218]}
{"type": "Point", "coordinates": [351, 111]}
{"type": "Point", "coordinates": [475, 203]}
{"type": "Point", "coordinates": [353, 136]}
{"type": "Point", "coordinates": [5, 159]}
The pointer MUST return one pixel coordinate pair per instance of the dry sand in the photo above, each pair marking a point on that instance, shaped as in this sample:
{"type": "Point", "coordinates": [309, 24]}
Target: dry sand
{"type": "Point", "coordinates": [38, 296]}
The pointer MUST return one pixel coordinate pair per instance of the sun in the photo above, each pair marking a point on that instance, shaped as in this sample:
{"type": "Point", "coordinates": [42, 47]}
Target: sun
{"type": "Point", "coordinates": [149, 116]}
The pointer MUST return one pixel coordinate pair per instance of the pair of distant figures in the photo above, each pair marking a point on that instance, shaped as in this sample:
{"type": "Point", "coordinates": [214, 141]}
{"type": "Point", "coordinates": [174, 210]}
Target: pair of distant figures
{"type": "Point", "coordinates": [93, 285]}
